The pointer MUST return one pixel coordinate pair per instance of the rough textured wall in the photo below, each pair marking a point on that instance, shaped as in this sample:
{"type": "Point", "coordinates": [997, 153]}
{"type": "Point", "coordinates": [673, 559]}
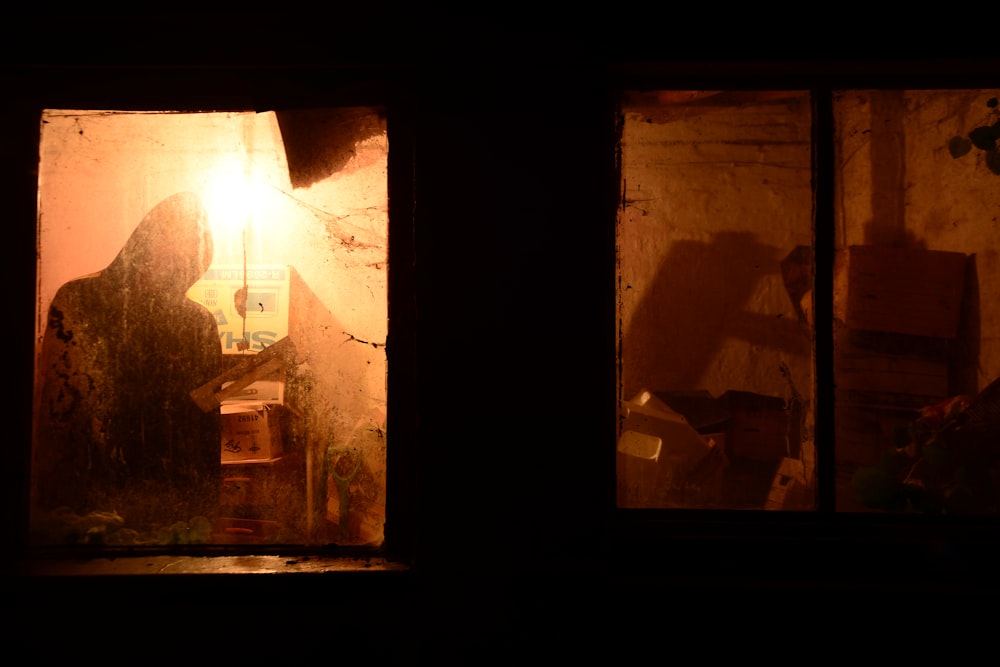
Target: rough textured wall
{"type": "Point", "coordinates": [717, 193]}
{"type": "Point", "coordinates": [938, 189]}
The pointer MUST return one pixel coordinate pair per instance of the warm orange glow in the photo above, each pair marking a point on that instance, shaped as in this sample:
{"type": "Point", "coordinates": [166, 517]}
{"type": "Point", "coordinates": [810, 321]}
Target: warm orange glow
{"type": "Point", "coordinates": [716, 192]}
{"type": "Point", "coordinates": [289, 270]}
{"type": "Point", "coordinates": [235, 196]}
{"type": "Point", "coordinates": [229, 196]}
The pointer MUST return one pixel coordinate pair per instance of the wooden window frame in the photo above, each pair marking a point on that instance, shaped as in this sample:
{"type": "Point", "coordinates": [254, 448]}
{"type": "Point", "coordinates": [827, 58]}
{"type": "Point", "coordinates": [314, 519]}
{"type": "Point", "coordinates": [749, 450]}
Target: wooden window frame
{"type": "Point", "coordinates": [216, 89]}
{"type": "Point", "coordinates": [776, 545]}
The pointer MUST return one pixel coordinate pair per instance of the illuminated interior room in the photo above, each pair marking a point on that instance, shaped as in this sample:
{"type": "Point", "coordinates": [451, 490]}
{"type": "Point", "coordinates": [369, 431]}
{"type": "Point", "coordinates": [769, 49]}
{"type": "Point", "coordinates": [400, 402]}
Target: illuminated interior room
{"type": "Point", "coordinates": [915, 363]}
{"type": "Point", "coordinates": [715, 288]}
{"type": "Point", "coordinates": [478, 341]}
{"type": "Point", "coordinates": [290, 274]}
{"type": "Point", "coordinates": [718, 306]}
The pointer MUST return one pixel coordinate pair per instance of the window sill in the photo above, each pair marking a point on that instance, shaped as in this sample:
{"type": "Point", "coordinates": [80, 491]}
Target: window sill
{"type": "Point", "coordinates": [207, 565]}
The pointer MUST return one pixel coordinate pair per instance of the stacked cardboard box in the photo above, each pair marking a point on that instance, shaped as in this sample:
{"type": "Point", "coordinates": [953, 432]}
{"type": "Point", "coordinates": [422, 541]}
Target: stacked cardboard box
{"type": "Point", "coordinates": [907, 291]}
{"type": "Point", "coordinates": [251, 306]}
{"type": "Point", "coordinates": [750, 425]}
{"type": "Point", "coordinates": [901, 308]}
{"type": "Point", "coordinates": [762, 428]}
{"type": "Point", "coordinates": [250, 432]}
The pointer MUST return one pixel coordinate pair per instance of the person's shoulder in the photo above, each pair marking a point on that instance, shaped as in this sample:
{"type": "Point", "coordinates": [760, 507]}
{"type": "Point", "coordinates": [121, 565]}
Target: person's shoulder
{"type": "Point", "coordinates": [200, 311]}
{"type": "Point", "coordinates": [77, 287]}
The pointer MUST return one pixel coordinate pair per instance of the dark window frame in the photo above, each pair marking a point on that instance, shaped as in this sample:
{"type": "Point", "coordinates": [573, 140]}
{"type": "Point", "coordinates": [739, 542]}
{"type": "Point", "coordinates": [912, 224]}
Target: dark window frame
{"type": "Point", "coordinates": [194, 90]}
{"type": "Point", "coordinates": [754, 547]}
{"type": "Point", "coordinates": [634, 541]}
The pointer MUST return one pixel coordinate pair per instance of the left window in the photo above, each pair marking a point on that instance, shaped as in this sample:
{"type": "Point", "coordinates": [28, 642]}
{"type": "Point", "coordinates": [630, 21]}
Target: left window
{"type": "Point", "coordinates": [211, 320]}
{"type": "Point", "coordinates": [716, 331]}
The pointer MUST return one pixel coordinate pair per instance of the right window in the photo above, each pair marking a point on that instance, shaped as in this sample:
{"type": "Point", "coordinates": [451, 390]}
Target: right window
{"type": "Point", "coordinates": [729, 266]}
{"type": "Point", "coordinates": [915, 363]}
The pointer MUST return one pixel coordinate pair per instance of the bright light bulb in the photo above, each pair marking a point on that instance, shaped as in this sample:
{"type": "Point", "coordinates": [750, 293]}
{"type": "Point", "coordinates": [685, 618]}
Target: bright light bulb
{"type": "Point", "coordinates": [227, 197]}
{"type": "Point", "coordinates": [230, 198]}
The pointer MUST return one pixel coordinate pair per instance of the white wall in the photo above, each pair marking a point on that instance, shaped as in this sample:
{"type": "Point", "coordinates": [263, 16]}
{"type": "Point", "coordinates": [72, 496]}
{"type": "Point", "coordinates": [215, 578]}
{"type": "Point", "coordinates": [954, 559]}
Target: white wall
{"type": "Point", "coordinates": [718, 193]}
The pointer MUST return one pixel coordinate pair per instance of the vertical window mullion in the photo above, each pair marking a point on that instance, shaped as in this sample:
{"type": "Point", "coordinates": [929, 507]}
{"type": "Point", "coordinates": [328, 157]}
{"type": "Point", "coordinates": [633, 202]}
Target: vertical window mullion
{"type": "Point", "coordinates": [823, 214]}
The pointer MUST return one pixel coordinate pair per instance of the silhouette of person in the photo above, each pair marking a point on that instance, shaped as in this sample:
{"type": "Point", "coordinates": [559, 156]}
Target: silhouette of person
{"type": "Point", "coordinates": [117, 429]}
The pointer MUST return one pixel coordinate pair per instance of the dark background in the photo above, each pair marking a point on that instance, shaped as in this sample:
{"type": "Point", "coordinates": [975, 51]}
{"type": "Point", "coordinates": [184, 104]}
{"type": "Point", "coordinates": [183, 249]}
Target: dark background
{"type": "Point", "coordinates": [502, 350]}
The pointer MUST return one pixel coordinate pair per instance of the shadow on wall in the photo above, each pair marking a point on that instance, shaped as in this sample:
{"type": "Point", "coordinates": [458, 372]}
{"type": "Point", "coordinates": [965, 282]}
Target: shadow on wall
{"type": "Point", "coordinates": [698, 300]}
{"type": "Point", "coordinates": [319, 142]}
{"type": "Point", "coordinates": [344, 426]}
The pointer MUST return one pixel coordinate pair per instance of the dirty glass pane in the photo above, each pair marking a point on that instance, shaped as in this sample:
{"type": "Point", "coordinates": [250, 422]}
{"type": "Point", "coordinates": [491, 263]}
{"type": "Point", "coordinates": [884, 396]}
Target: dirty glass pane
{"type": "Point", "coordinates": [715, 269]}
{"type": "Point", "coordinates": [915, 315]}
{"type": "Point", "coordinates": [212, 318]}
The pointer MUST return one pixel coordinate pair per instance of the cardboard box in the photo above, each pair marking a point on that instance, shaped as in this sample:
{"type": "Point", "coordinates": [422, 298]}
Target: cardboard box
{"type": "Point", "coordinates": [889, 370]}
{"type": "Point", "coordinates": [266, 303]}
{"type": "Point", "coordinates": [905, 290]}
{"type": "Point", "coordinates": [762, 428]}
{"type": "Point", "coordinates": [882, 373]}
{"type": "Point", "coordinates": [250, 432]}
{"type": "Point", "coordinates": [705, 413]}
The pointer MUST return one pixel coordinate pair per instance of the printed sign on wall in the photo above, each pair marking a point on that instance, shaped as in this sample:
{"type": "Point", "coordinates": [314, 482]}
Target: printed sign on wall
{"type": "Point", "coordinates": [246, 324]}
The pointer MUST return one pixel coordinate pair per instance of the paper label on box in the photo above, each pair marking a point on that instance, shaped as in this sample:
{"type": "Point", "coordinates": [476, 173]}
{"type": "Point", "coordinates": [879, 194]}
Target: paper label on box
{"type": "Point", "coordinates": [249, 432]}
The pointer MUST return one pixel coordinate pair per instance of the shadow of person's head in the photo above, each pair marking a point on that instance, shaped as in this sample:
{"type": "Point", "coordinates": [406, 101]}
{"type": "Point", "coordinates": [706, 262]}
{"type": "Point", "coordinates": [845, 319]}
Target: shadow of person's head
{"type": "Point", "coordinates": [169, 250]}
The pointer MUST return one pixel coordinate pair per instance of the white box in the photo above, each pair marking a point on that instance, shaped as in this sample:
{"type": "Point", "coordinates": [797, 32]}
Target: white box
{"type": "Point", "coordinates": [661, 460]}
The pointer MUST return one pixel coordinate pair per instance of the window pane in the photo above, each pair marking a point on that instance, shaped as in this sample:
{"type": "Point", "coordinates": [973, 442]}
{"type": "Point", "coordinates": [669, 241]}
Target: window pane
{"type": "Point", "coordinates": [916, 265]}
{"type": "Point", "coordinates": [212, 318]}
{"type": "Point", "coordinates": [715, 244]}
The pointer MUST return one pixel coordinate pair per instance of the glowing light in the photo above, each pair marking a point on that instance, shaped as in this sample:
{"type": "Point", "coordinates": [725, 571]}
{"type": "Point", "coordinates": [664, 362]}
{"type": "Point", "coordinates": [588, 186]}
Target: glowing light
{"type": "Point", "coordinates": [234, 198]}
{"type": "Point", "coordinates": [228, 197]}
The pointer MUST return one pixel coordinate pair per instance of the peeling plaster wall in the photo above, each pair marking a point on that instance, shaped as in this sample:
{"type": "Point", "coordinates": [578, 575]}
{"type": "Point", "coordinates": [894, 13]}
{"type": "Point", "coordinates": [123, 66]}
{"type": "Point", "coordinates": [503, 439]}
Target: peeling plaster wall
{"type": "Point", "coordinates": [717, 192]}
{"type": "Point", "coordinates": [945, 201]}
